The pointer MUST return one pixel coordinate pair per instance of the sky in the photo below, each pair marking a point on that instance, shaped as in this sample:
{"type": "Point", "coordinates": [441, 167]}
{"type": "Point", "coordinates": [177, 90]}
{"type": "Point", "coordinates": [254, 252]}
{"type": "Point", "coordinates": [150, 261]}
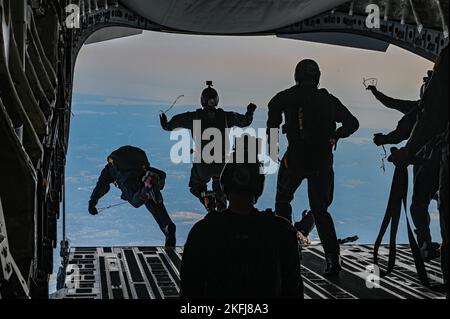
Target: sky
{"type": "Point", "coordinates": [161, 66]}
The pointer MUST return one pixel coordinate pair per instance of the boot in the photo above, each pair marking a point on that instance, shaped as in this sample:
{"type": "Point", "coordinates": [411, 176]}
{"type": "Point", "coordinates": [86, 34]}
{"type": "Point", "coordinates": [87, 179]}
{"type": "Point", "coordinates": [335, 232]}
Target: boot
{"type": "Point", "coordinates": [171, 240]}
{"type": "Point", "coordinates": [333, 265]}
{"type": "Point", "coordinates": [430, 251]}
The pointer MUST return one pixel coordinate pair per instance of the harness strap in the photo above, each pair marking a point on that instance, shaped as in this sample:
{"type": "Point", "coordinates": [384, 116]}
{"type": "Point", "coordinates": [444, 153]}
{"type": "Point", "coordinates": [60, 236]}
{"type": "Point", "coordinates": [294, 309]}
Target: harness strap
{"type": "Point", "coordinates": [397, 200]}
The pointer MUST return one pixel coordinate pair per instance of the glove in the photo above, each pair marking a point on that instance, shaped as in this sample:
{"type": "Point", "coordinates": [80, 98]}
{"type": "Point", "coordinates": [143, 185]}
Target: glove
{"type": "Point", "coordinates": [251, 108]}
{"type": "Point", "coordinates": [334, 142]}
{"type": "Point", "coordinates": [372, 88]}
{"type": "Point", "coordinates": [380, 139]}
{"type": "Point", "coordinates": [164, 122]}
{"type": "Point", "coordinates": [92, 209]}
{"type": "Point", "coordinates": [400, 157]}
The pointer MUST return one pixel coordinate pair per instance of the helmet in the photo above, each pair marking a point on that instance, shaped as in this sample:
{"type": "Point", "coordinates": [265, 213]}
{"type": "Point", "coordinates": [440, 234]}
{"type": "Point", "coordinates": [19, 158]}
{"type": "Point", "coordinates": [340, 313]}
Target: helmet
{"type": "Point", "coordinates": [307, 70]}
{"type": "Point", "coordinates": [210, 97]}
{"type": "Point", "coordinates": [243, 178]}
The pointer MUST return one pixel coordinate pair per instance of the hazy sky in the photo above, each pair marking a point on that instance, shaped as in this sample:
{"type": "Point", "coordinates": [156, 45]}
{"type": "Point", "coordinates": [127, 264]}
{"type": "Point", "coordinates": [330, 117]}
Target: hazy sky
{"type": "Point", "coordinates": [160, 66]}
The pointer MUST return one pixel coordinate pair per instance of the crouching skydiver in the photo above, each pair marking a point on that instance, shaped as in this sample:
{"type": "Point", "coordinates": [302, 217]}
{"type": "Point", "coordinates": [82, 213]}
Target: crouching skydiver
{"type": "Point", "coordinates": [241, 252]}
{"type": "Point", "coordinates": [209, 117]}
{"type": "Point", "coordinates": [129, 169]}
{"type": "Point", "coordinates": [433, 122]}
{"type": "Point", "coordinates": [426, 172]}
{"type": "Point", "coordinates": [310, 116]}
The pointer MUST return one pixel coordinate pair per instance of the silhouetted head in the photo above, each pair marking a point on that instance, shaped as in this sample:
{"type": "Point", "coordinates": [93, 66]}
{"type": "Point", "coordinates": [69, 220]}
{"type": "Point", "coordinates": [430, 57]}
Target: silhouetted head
{"type": "Point", "coordinates": [243, 175]}
{"type": "Point", "coordinates": [210, 97]}
{"type": "Point", "coordinates": [307, 71]}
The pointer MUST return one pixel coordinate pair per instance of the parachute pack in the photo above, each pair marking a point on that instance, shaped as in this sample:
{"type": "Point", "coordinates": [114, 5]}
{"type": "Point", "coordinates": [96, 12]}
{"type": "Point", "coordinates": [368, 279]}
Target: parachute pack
{"type": "Point", "coordinates": [128, 158]}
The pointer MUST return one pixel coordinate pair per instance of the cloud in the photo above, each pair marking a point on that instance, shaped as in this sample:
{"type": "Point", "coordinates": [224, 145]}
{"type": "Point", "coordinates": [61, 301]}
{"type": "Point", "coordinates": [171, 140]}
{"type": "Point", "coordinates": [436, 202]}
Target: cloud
{"type": "Point", "coordinates": [187, 217]}
{"type": "Point", "coordinates": [359, 140]}
{"type": "Point", "coordinates": [86, 189]}
{"type": "Point", "coordinates": [72, 179]}
{"type": "Point", "coordinates": [93, 233]}
{"type": "Point", "coordinates": [83, 147]}
{"type": "Point", "coordinates": [353, 183]}
{"type": "Point", "coordinates": [434, 215]}
{"type": "Point", "coordinates": [86, 99]}
{"type": "Point", "coordinates": [88, 112]}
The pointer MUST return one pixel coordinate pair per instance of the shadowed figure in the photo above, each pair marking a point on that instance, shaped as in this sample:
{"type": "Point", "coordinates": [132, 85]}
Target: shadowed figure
{"type": "Point", "coordinates": [242, 252]}
{"type": "Point", "coordinates": [129, 169]}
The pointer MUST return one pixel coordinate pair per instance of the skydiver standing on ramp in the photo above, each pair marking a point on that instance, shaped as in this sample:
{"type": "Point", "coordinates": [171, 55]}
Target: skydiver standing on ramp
{"type": "Point", "coordinates": [310, 116]}
{"type": "Point", "coordinates": [426, 174]}
{"type": "Point", "coordinates": [432, 122]}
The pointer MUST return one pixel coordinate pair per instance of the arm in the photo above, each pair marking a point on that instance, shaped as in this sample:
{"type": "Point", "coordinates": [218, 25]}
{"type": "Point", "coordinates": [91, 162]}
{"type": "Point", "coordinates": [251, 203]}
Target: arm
{"type": "Point", "coordinates": [401, 133]}
{"type": "Point", "coordinates": [184, 120]}
{"type": "Point", "coordinates": [192, 272]}
{"type": "Point", "coordinates": [404, 128]}
{"type": "Point", "coordinates": [274, 120]}
{"type": "Point", "coordinates": [403, 106]}
{"type": "Point", "coordinates": [161, 175]}
{"type": "Point", "coordinates": [275, 117]}
{"type": "Point", "coordinates": [292, 284]}
{"type": "Point", "coordinates": [350, 124]}
{"type": "Point", "coordinates": [433, 110]}
{"type": "Point", "coordinates": [102, 187]}
{"type": "Point", "coordinates": [240, 120]}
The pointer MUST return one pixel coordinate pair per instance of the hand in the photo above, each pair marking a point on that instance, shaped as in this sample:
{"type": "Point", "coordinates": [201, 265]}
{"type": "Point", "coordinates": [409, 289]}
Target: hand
{"type": "Point", "coordinates": [334, 141]}
{"type": "Point", "coordinates": [251, 108]}
{"type": "Point", "coordinates": [400, 157]}
{"type": "Point", "coordinates": [380, 139]}
{"type": "Point", "coordinates": [92, 209]}
{"type": "Point", "coordinates": [164, 122]}
{"type": "Point", "coordinates": [372, 88]}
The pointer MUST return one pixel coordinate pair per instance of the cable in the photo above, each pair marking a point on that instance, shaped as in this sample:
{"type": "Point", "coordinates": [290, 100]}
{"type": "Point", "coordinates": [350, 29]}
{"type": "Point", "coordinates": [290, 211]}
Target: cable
{"type": "Point", "coordinates": [383, 159]}
{"type": "Point", "coordinates": [173, 104]}
{"type": "Point", "coordinates": [110, 206]}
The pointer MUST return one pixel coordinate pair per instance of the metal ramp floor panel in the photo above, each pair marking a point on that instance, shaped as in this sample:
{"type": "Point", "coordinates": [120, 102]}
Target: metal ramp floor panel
{"type": "Point", "coordinates": [153, 273]}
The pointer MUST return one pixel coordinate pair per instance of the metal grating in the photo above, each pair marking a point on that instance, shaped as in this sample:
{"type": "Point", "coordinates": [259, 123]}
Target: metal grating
{"type": "Point", "coordinates": [153, 273]}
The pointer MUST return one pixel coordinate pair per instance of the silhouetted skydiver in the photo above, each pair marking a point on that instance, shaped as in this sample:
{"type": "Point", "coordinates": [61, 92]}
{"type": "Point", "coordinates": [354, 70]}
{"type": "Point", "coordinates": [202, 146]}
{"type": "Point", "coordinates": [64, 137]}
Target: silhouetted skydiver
{"type": "Point", "coordinates": [129, 169]}
{"type": "Point", "coordinates": [210, 117]}
{"type": "Point", "coordinates": [433, 122]}
{"type": "Point", "coordinates": [426, 174]}
{"type": "Point", "coordinates": [241, 252]}
{"type": "Point", "coordinates": [310, 117]}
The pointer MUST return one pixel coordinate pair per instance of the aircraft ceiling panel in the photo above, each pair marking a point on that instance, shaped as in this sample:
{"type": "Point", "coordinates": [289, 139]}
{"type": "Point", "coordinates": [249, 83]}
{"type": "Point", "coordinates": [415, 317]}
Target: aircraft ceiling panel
{"type": "Point", "coordinates": [229, 16]}
{"type": "Point", "coordinates": [111, 33]}
{"type": "Point", "coordinates": [341, 39]}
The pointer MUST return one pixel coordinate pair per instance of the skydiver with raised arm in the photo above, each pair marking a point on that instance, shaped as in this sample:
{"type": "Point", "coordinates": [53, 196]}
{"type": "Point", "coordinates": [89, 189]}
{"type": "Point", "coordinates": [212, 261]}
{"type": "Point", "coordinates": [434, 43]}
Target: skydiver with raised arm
{"type": "Point", "coordinates": [426, 173]}
{"type": "Point", "coordinates": [209, 116]}
{"type": "Point", "coordinates": [433, 123]}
